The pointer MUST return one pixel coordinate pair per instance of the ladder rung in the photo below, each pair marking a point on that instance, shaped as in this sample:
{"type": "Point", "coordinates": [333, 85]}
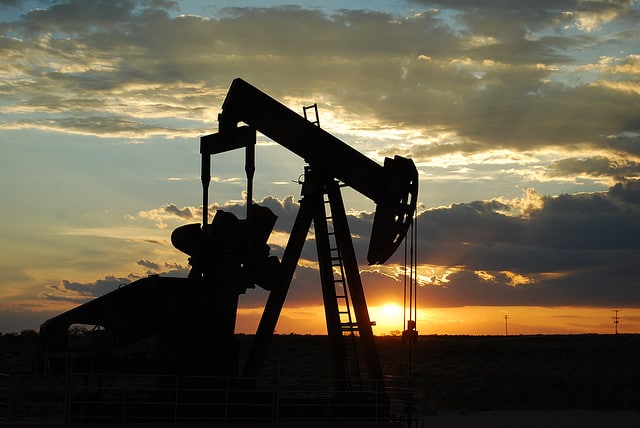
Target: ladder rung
{"type": "Point", "coordinates": [348, 326]}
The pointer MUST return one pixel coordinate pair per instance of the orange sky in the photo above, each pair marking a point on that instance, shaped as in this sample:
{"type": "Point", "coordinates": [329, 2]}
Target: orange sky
{"type": "Point", "coordinates": [479, 320]}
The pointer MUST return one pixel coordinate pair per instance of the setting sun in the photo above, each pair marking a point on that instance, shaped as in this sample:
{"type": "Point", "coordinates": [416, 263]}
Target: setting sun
{"type": "Point", "coordinates": [388, 318]}
{"type": "Point", "coordinates": [391, 311]}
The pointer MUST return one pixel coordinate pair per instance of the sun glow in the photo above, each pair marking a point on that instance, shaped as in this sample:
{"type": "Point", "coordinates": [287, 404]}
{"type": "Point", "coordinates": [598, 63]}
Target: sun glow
{"type": "Point", "coordinates": [391, 310]}
{"type": "Point", "coordinates": [388, 318]}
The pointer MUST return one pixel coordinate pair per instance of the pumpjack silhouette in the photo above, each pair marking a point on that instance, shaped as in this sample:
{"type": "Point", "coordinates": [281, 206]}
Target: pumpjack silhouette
{"type": "Point", "coordinates": [194, 318]}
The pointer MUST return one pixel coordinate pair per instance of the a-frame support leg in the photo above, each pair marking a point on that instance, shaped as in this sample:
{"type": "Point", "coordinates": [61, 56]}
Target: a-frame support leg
{"type": "Point", "coordinates": [277, 296]}
{"type": "Point", "coordinates": [312, 208]}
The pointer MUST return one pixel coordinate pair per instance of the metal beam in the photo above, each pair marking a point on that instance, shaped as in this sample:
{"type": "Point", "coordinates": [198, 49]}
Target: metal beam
{"type": "Point", "coordinates": [277, 296]}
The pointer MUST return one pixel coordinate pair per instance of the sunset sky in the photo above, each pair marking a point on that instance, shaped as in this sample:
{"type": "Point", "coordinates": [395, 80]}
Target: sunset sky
{"type": "Point", "coordinates": [522, 117]}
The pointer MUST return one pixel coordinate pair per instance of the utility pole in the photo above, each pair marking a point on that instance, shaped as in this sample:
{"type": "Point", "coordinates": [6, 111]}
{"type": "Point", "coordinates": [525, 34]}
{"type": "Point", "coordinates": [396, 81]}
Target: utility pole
{"type": "Point", "coordinates": [616, 319]}
{"type": "Point", "coordinates": [506, 329]}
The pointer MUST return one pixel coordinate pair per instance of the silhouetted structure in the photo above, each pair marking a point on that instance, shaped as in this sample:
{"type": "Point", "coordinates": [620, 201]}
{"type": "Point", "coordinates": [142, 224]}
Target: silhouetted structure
{"type": "Point", "coordinates": [410, 292]}
{"type": "Point", "coordinates": [506, 325]}
{"type": "Point", "coordinates": [192, 319]}
{"type": "Point", "coordinates": [616, 320]}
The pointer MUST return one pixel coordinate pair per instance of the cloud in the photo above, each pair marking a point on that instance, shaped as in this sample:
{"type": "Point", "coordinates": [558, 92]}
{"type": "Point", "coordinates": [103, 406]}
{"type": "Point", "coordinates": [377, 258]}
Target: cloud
{"type": "Point", "coordinates": [589, 222]}
{"type": "Point", "coordinates": [115, 69]}
{"type": "Point", "coordinates": [572, 249]}
{"type": "Point", "coordinates": [81, 292]}
{"type": "Point", "coordinates": [567, 250]}
{"type": "Point", "coordinates": [515, 251]}
{"type": "Point", "coordinates": [627, 192]}
{"type": "Point", "coordinates": [504, 252]}
{"type": "Point", "coordinates": [8, 4]}
{"type": "Point", "coordinates": [597, 166]}
{"type": "Point", "coordinates": [148, 264]}
{"type": "Point", "coordinates": [525, 87]}
{"type": "Point", "coordinates": [169, 213]}
{"type": "Point", "coordinates": [78, 292]}
{"type": "Point", "coordinates": [531, 14]}
{"type": "Point", "coordinates": [184, 213]}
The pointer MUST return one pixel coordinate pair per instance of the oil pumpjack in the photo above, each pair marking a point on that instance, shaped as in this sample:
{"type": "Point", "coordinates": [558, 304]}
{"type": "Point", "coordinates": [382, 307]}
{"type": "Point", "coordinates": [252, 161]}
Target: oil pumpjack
{"type": "Point", "coordinates": [194, 317]}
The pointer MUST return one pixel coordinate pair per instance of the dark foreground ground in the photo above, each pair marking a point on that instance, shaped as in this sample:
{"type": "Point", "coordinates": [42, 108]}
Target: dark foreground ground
{"type": "Point", "coordinates": [526, 372]}
{"type": "Point", "coordinates": [480, 373]}
{"type": "Point", "coordinates": [459, 374]}
{"type": "Point", "coordinates": [586, 381]}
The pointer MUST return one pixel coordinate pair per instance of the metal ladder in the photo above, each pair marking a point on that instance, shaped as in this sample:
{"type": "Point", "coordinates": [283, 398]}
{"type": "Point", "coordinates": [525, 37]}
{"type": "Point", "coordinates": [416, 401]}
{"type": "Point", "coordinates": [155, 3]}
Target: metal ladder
{"type": "Point", "coordinates": [348, 326]}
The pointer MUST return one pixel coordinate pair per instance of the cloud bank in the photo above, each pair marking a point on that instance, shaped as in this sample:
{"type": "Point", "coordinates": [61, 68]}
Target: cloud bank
{"type": "Point", "coordinates": [465, 79]}
{"type": "Point", "coordinates": [568, 250]}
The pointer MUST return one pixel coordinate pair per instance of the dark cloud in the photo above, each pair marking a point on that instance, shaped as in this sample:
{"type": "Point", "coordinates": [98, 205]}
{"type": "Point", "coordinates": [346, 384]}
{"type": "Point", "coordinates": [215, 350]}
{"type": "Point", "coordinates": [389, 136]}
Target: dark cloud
{"type": "Point", "coordinates": [576, 250]}
{"type": "Point", "coordinates": [80, 292]}
{"type": "Point", "coordinates": [425, 72]}
{"type": "Point", "coordinates": [581, 288]}
{"type": "Point", "coordinates": [573, 250]}
{"type": "Point", "coordinates": [148, 264]}
{"type": "Point", "coordinates": [184, 213]}
{"type": "Point", "coordinates": [161, 4]}
{"type": "Point", "coordinates": [581, 222]}
{"type": "Point", "coordinates": [153, 241]}
{"type": "Point", "coordinates": [78, 16]}
{"type": "Point", "coordinates": [567, 250]}
{"type": "Point", "coordinates": [9, 4]}
{"type": "Point", "coordinates": [105, 126]}
{"type": "Point", "coordinates": [597, 166]}
{"type": "Point", "coordinates": [176, 270]}
{"type": "Point", "coordinates": [627, 191]}
{"type": "Point", "coordinates": [582, 246]}
{"type": "Point", "coordinates": [533, 11]}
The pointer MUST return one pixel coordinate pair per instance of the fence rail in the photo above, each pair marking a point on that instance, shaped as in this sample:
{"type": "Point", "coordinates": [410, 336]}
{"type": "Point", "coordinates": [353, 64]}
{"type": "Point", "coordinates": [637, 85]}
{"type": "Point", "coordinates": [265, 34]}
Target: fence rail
{"type": "Point", "coordinates": [167, 400]}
